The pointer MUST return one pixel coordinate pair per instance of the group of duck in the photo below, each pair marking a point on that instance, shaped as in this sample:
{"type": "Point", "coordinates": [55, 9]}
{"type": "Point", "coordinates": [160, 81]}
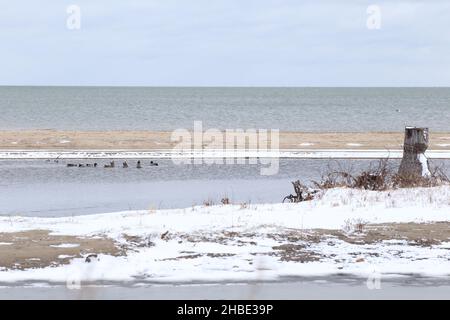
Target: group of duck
{"type": "Point", "coordinates": [112, 164]}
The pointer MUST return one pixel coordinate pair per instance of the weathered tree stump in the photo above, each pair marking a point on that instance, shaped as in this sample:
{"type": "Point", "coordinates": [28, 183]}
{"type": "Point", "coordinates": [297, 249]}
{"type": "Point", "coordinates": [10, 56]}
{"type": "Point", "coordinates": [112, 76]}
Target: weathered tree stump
{"type": "Point", "coordinates": [414, 162]}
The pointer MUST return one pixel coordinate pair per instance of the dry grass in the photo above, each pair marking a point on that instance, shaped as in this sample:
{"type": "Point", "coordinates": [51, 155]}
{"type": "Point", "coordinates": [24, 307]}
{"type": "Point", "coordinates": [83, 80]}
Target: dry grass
{"type": "Point", "coordinates": [244, 205]}
{"type": "Point", "coordinates": [208, 203]}
{"type": "Point", "coordinates": [225, 201]}
{"type": "Point", "coordinates": [354, 226]}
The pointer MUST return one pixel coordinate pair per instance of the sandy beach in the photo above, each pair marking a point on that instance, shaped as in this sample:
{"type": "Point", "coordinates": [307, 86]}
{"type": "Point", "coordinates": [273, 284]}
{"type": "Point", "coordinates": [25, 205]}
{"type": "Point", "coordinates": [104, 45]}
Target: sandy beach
{"type": "Point", "coordinates": [157, 140]}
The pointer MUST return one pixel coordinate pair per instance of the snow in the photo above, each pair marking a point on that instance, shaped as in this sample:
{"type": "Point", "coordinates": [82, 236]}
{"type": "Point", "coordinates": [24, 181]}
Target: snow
{"type": "Point", "coordinates": [65, 245]}
{"type": "Point", "coordinates": [330, 211]}
{"type": "Point", "coordinates": [64, 256]}
{"type": "Point", "coordinates": [169, 154]}
{"type": "Point", "coordinates": [424, 162]}
{"type": "Point", "coordinates": [247, 255]}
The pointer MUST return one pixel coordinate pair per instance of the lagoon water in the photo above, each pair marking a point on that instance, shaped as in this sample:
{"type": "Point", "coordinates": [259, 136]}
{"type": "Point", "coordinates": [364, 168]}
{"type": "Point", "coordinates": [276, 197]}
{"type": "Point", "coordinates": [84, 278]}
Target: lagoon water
{"type": "Point", "coordinates": [153, 108]}
{"type": "Point", "coordinates": [41, 188]}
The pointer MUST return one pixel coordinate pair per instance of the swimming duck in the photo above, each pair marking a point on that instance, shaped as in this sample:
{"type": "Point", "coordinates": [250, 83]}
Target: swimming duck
{"type": "Point", "coordinates": [110, 165]}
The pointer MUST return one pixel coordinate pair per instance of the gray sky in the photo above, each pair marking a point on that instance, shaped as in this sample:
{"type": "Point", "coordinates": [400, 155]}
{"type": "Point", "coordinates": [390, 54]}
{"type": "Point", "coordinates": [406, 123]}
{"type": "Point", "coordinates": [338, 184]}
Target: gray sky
{"type": "Point", "coordinates": [225, 42]}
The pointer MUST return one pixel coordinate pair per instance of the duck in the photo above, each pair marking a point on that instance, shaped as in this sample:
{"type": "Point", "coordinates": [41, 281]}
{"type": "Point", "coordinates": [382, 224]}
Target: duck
{"type": "Point", "coordinates": [138, 165]}
{"type": "Point", "coordinates": [91, 165]}
{"type": "Point", "coordinates": [110, 165]}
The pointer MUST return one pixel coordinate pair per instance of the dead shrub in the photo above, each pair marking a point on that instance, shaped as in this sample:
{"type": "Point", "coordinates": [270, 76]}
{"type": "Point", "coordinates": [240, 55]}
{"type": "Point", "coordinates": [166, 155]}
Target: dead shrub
{"type": "Point", "coordinates": [380, 176]}
{"type": "Point", "coordinates": [436, 178]}
{"type": "Point", "coordinates": [377, 177]}
{"type": "Point", "coordinates": [302, 193]}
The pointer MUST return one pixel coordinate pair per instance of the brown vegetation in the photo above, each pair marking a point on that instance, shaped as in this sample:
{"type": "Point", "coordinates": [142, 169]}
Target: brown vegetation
{"type": "Point", "coordinates": [380, 176]}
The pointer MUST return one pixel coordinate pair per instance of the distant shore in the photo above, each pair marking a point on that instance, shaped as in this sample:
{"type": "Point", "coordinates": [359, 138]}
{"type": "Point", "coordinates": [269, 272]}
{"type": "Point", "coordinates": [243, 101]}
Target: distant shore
{"type": "Point", "coordinates": [161, 140]}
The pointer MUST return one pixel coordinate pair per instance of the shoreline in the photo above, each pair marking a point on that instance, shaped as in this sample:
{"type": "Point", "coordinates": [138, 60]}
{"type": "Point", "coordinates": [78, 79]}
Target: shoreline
{"type": "Point", "coordinates": [257, 242]}
{"type": "Point", "coordinates": [212, 154]}
{"type": "Point", "coordinates": [161, 140]}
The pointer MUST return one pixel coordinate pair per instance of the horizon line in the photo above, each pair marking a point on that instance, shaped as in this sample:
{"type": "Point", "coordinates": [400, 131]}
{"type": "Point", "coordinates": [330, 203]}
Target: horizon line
{"type": "Point", "coordinates": [218, 86]}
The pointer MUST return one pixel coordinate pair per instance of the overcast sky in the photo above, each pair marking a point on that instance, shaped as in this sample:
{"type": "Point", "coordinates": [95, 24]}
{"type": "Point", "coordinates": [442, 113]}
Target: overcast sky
{"type": "Point", "coordinates": [225, 42]}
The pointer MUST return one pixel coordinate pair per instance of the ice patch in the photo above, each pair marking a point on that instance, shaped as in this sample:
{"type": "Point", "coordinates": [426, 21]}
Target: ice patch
{"type": "Point", "coordinates": [305, 144]}
{"type": "Point", "coordinates": [5, 243]}
{"type": "Point", "coordinates": [64, 141]}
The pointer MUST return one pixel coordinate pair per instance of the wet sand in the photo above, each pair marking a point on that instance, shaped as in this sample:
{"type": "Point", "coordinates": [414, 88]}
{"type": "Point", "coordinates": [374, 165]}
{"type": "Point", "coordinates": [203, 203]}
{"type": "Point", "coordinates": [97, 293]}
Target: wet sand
{"type": "Point", "coordinates": [154, 140]}
{"type": "Point", "coordinates": [39, 249]}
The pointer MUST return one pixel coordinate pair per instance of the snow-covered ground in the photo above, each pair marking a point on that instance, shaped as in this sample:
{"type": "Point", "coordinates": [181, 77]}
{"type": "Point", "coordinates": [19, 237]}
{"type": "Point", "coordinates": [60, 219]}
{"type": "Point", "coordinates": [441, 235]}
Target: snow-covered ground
{"type": "Point", "coordinates": [243, 242]}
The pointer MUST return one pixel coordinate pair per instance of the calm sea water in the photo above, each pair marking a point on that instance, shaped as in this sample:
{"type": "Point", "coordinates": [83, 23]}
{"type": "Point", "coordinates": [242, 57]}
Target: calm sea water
{"type": "Point", "coordinates": [302, 109]}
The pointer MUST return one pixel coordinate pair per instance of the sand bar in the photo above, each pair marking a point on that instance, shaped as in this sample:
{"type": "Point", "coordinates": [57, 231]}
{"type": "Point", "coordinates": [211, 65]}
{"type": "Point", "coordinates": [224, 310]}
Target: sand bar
{"type": "Point", "coordinates": [161, 140]}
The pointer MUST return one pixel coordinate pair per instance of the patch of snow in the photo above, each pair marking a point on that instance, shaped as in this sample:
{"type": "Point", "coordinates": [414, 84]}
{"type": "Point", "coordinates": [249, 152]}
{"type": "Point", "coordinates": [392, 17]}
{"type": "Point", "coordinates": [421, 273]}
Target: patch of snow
{"type": "Point", "coordinates": [305, 144]}
{"type": "Point", "coordinates": [354, 144]}
{"type": "Point", "coordinates": [424, 163]}
{"type": "Point", "coordinates": [5, 243]}
{"type": "Point", "coordinates": [64, 256]}
{"type": "Point", "coordinates": [65, 245]}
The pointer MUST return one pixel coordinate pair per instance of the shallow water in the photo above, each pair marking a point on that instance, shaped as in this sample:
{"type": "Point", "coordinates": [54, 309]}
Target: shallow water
{"type": "Point", "coordinates": [153, 108]}
{"type": "Point", "coordinates": [331, 287]}
{"type": "Point", "coordinates": [41, 188]}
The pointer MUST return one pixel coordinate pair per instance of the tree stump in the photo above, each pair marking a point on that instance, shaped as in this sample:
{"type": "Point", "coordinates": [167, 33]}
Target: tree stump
{"type": "Point", "coordinates": [414, 162]}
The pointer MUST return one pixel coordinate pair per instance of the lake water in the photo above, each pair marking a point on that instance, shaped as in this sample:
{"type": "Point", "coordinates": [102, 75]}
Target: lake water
{"type": "Point", "coordinates": [41, 188]}
{"type": "Point", "coordinates": [297, 109]}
